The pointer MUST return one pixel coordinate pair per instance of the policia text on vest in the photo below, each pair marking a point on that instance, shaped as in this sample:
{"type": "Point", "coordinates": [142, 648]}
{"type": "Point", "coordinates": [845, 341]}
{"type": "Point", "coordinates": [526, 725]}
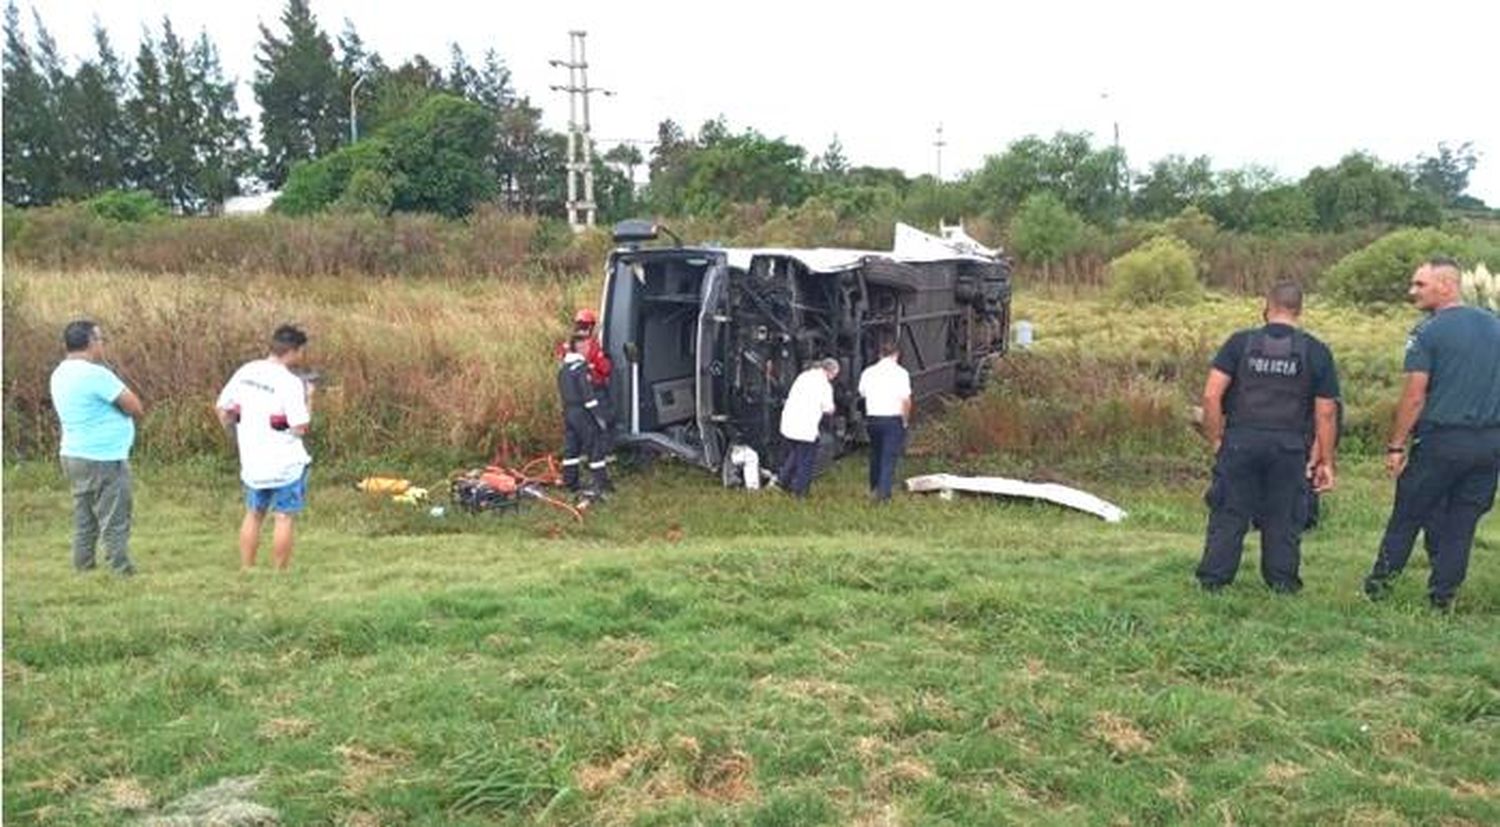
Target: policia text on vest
{"type": "Point", "coordinates": [1270, 408]}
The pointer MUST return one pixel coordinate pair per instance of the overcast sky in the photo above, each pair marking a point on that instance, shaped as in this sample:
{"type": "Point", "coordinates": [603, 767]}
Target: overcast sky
{"type": "Point", "coordinates": [1291, 85]}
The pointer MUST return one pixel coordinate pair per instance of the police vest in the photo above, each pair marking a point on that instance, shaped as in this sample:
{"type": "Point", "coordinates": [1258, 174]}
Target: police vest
{"type": "Point", "coordinates": [1273, 384]}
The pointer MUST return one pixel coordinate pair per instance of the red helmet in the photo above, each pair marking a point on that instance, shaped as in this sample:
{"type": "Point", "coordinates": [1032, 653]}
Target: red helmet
{"type": "Point", "coordinates": [586, 317]}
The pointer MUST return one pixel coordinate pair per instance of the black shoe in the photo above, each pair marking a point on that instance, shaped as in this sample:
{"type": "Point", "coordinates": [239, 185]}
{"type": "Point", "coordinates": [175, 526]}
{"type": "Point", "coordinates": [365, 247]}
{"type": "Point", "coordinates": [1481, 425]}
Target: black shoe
{"type": "Point", "coordinates": [1442, 605]}
{"type": "Point", "coordinates": [1287, 589]}
{"type": "Point", "coordinates": [1377, 587]}
{"type": "Point", "coordinates": [1211, 588]}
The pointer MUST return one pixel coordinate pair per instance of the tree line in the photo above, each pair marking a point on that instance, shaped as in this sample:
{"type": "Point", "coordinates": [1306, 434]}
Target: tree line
{"type": "Point", "coordinates": [168, 122]}
{"type": "Point", "coordinates": [445, 138]}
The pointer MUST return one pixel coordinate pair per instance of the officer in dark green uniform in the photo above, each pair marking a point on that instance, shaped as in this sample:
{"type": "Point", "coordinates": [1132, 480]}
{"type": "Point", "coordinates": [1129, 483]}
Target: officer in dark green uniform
{"type": "Point", "coordinates": [1450, 407]}
{"type": "Point", "coordinates": [1276, 387]}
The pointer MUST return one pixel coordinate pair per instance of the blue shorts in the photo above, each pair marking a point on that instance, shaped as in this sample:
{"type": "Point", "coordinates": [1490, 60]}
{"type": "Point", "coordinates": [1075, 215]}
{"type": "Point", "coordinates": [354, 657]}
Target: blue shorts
{"type": "Point", "coordinates": [288, 499]}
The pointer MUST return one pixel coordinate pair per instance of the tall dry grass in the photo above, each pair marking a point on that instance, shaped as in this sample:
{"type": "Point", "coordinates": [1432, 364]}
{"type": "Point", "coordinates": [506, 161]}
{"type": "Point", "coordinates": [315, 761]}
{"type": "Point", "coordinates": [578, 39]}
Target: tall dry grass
{"type": "Point", "coordinates": [492, 243]}
{"type": "Point", "coordinates": [1105, 379]}
{"type": "Point", "coordinates": [417, 368]}
{"type": "Point", "coordinates": [488, 243]}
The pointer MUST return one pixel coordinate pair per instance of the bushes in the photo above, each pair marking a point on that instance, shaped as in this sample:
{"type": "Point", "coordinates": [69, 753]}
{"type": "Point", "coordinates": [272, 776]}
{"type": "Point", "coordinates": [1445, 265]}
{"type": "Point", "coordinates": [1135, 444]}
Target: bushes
{"type": "Point", "coordinates": [430, 161]}
{"type": "Point", "coordinates": [1379, 272]}
{"type": "Point", "coordinates": [1164, 270]}
{"type": "Point", "coordinates": [119, 205]}
{"type": "Point", "coordinates": [314, 186]}
{"type": "Point", "coordinates": [1044, 230]}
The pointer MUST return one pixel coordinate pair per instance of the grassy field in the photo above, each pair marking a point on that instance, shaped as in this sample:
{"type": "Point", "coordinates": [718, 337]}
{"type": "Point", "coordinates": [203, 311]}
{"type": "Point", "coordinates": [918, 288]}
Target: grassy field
{"type": "Point", "coordinates": [695, 655]}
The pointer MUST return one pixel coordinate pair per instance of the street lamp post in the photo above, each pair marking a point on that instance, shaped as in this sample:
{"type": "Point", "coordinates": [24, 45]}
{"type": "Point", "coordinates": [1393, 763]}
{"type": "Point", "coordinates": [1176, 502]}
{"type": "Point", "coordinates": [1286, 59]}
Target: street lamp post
{"type": "Point", "coordinates": [354, 110]}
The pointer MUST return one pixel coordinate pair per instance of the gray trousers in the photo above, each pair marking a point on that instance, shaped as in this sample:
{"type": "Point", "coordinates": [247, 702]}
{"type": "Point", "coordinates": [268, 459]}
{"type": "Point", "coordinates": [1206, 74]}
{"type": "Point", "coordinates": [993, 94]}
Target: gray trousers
{"type": "Point", "coordinates": [101, 510]}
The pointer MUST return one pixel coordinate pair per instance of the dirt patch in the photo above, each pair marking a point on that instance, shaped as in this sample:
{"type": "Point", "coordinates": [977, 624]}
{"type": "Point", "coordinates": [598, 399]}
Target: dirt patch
{"type": "Point", "coordinates": [869, 749]}
{"type": "Point", "coordinates": [363, 766]}
{"type": "Point", "coordinates": [594, 779]}
{"type": "Point", "coordinates": [1282, 773]}
{"type": "Point", "coordinates": [62, 782]}
{"type": "Point", "coordinates": [886, 816]}
{"type": "Point", "coordinates": [15, 672]}
{"type": "Point", "coordinates": [626, 651]}
{"type": "Point", "coordinates": [1477, 789]}
{"type": "Point", "coordinates": [125, 795]}
{"type": "Point", "coordinates": [728, 778]}
{"type": "Point", "coordinates": [807, 688]}
{"type": "Point", "coordinates": [938, 707]}
{"type": "Point", "coordinates": [362, 818]}
{"type": "Point", "coordinates": [903, 773]}
{"type": "Point", "coordinates": [681, 769]}
{"type": "Point", "coordinates": [1397, 740]}
{"type": "Point", "coordinates": [1120, 734]}
{"type": "Point", "coordinates": [278, 728]}
{"type": "Point", "coordinates": [1372, 816]}
{"type": "Point", "coordinates": [686, 745]}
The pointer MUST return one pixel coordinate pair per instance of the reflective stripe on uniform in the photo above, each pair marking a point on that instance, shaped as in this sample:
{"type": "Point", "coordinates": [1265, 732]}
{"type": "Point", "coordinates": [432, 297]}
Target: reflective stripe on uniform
{"type": "Point", "coordinates": [591, 403]}
{"type": "Point", "coordinates": [573, 461]}
{"type": "Point", "coordinates": [597, 465]}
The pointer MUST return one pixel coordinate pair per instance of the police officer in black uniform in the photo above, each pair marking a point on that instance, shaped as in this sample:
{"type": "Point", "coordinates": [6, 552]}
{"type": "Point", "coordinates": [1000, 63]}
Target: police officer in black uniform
{"type": "Point", "coordinates": [584, 428]}
{"type": "Point", "coordinates": [1450, 407]}
{"type": "Point", "coordinates": [1276, 387]}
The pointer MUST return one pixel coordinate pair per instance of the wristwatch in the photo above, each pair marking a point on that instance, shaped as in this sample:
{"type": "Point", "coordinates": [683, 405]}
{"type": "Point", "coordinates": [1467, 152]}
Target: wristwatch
{"type": "Point", "coordinates": [1395, 449]}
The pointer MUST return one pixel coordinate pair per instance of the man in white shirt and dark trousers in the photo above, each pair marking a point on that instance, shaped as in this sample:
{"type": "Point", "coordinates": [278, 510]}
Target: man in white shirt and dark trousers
{"type": "Point", "coordinates": [268, 408]}
{"type": "Point", "coordinates": [809, 400]}
{"type": "Point", "coordinates": [886, 388]}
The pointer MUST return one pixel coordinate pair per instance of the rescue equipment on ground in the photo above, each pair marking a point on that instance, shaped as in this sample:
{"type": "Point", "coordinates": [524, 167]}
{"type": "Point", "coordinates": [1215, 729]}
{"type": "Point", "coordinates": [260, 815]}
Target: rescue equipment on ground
{"type": "Point", "coordinates": [383, 485]}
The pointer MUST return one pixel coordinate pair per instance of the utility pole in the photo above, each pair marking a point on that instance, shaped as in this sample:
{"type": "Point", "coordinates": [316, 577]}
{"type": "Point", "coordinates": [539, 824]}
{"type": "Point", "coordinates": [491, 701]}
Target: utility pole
{"type": "Point", "coordinates": [354, 110]}
{"type": "Point", "coordinates": [581, 211]}
{"type": "Point", "coordinates": [940, 143]}
{"type": "Point", "coordinates": [1120, 171]}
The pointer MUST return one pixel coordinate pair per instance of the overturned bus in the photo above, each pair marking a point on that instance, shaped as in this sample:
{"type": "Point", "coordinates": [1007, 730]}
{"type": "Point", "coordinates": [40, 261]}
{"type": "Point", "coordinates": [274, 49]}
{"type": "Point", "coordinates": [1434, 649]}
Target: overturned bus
{"type": "Point", "coordinates": [707, 340]}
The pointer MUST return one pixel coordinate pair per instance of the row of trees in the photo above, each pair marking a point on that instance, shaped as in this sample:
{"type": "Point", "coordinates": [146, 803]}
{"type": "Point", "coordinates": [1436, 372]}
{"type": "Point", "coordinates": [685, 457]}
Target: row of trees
{"type": "Point", "coordinates": [442, 139]}
{"type": "Point", "coordinates": [168, 122]}
{"type": "Point", "coordinates": [700, 175]}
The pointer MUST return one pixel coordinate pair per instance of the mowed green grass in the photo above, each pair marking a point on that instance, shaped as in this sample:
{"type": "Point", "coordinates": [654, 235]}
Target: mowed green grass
{"type": "Point", "coordinates": [695, 655]}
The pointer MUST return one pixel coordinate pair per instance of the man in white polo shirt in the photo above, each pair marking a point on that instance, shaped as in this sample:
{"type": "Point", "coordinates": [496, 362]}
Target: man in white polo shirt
{"type": "Point", "coordinates": [809, 400]}
{"type": "Point", "coordinates": [886, 388]}
{"type": "Point", "coordinates": [269, 408]}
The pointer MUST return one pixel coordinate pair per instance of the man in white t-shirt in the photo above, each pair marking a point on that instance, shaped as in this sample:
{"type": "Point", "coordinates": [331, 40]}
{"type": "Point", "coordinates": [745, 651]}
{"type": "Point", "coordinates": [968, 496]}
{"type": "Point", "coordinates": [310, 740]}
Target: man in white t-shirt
{"type": "Point", "coordinates": [268, 408]}
{"type": "Point", "coordinates": [886, 388]}
{"type": "Point", "coordinates": [809, 400]}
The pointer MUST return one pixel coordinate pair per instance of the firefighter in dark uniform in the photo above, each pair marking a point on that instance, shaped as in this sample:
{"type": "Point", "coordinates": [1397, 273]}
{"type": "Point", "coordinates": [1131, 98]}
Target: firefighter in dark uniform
{"type": "Point", "coordinates": [1450, 409]}
{"type": "Point", "coordinates": [1275, 387]}
{"type": "Point", "coordinates": [585, 431]}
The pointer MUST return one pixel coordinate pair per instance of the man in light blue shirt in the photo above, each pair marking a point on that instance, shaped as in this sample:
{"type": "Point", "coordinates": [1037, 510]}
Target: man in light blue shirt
{"type": "Point", "coordinates": [98, 413]}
